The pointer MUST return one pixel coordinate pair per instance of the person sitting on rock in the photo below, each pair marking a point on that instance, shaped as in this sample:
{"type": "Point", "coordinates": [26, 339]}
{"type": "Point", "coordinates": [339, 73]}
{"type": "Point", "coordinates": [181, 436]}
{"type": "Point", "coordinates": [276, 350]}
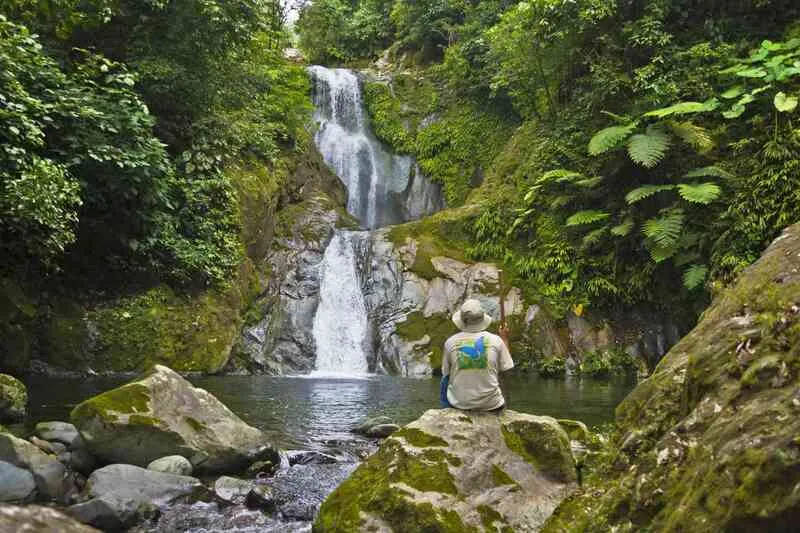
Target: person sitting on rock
{"type": "Point", "coordinates": [473, 361]}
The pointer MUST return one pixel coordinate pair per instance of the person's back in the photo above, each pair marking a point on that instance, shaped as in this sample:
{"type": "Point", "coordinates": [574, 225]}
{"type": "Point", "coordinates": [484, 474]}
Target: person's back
{"type": "Point", "coordinates": [473, 360]}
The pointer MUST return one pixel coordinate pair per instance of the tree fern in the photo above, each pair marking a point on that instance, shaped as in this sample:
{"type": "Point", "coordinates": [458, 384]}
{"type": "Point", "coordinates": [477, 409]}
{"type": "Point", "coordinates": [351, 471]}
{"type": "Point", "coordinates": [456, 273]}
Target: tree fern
{"type": "Point", "coordinates": [590, 183]}
{"type": "Point", "coordinates": [609, 138]}
{"type": "Point", "coordinates": [695, 136]}
{"type": "Point", "coordinates": [665, 230]}
{"type": "Point", "coordinates": [561, 201]}
{"type": "Point", "coordinates": [645, 191]}
{"type": "Point", "coordinates": [582, 218]}
{"type": "Point", "coordinates": [623, 229]}
{"type": "Point", "coordinates": [684, 108]}
{"type": "Point", "coordinates": [649, 148]}
{"type": "Point", "coordinates": [695, 276]}
{"type": "Point", "coordinates": [709, 172]}
{"type": "Point", "coordinates": [699, 193]}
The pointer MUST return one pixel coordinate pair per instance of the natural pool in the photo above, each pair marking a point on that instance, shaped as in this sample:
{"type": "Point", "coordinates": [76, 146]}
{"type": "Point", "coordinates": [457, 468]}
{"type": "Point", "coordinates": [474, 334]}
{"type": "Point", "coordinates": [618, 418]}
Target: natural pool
{"type": "Point", "coordinates": [316, 413]}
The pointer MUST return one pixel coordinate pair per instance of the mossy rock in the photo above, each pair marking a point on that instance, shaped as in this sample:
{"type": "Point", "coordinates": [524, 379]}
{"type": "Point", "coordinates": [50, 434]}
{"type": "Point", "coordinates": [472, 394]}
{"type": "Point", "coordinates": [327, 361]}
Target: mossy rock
{"type": "Point", "coordinates": [438, 328]}
{"type": "Point", "coordinates": [13, 399]}
{"type": "Point", "coordinates": [160, 415]}
{"type": "Point", "coordinates": [709, 441]}
{"type": "Point", "coordinates": [191, 333]}
{"type": "Point", "coordinates": [448, 472]}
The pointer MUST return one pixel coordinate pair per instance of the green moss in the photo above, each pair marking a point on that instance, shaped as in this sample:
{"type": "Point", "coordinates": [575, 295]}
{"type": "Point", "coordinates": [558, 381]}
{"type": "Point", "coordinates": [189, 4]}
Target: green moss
{"type": "Point", "coordinates": [501, 477]}
{"type": "Point", "coordinates": [418, 438]}
{"type": "Point", "coordinates": [467, 419]}
{"type": "Point", "coordinates": [143, 420]}
{"type": "Point", "coordinates": [445, 234]}
{"type": "Point", "coordinates": [132, 398]}
{"type": "Point", "coordinates": [438, 327]}
{"type": "Point", "coordinates": [194, 423]}
{"type": "Point", "coordinates": [369, 489]}
{"type": "Point", "coordinates": [438, 456]}
{"type": "Point", "coordinates": [489, 517]}
{"type": "Point", "coordinates": [544, 446]}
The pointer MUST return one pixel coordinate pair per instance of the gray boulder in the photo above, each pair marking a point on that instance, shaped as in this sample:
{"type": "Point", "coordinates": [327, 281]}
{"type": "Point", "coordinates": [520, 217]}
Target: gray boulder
{"type": "Point", "coordinates": [48, 473]}
{"type": "Point", "coordinates": [163, 414]}
{"type": "Point", "coordinates": [172, 464]}
{"type": "Point", "coordinates": [260, 497]}
{"type": "Point", "coordinates": [13, 399]}
{"type": "Point", "coordinates": [62, 432]}
{"type": "Point", "coordinates": [16, 484]}
{"type": "Point", "coordinates": [233, 490]}
{"type": "Point", "coordinates": [122, 495]}
{"type": "Point", "coordinates": [36, 519]}
{"type": "Point", "coordinates": [457, 471]}
{"type": "Point", "coordinates": [364, 427]}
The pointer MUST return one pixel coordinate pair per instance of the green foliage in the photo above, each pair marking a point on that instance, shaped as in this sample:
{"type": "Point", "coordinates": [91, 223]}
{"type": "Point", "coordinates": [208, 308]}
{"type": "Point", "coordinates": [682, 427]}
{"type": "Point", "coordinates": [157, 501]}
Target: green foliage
{"type": "Point", "coordinates": [695, 276]}
{"type": "Point", "coordinates": [699, 193]}
{"type": "Point", "coordinates": [649, 148]}
{"type": "Point", "coordinates": [605, 362]}
{"type": "Point", "coordinates": [610, 138]}
{"type": "Point", "coordinates": [582, 218]}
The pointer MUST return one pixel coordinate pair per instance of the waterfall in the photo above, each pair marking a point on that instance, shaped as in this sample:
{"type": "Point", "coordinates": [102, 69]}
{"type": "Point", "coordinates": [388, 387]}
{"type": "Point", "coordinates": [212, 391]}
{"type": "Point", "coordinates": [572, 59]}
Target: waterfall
{"type": "Point", "coordinates": [340, 325]}
{"type": "Point", "coordinates": [383, 188]}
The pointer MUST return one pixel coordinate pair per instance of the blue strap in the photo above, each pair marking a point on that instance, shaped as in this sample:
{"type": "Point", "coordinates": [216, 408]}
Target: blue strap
{"type": "Point", "coordinates": [443, 392]}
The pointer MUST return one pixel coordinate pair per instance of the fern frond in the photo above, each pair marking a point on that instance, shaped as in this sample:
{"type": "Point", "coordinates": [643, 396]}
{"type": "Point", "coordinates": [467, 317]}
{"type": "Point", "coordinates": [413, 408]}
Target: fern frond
{"type": "Point", "coordinates": [594, 236]}
{"type": "Point", "coordinates": [645, 191]}
{"type": "Point", "coordinates": [659, 254]}
{"type": "Point", "coordinates": [665, 230]}
{"type": "Point", "coordinates": [623, 229]}
{"type": "Point", "coordinates": [695, 276]}
{"type": "Point", "coordinates": [649, 148]}
{"type": "Point", "coordinates": [699, 193]}
{"type": "Point", "coordinates": [560, 201]}
{"type": "Point", "coordinates": [709, 172]}
{"type": "Point", "coordinates": [684, 108]}
{"type": "Point", "coordinates": [590, 183]}
{"type": "Point", "coordinates": [582, 218]}
{"type": "Point", "coordinates": [609, 138]}
{"type": "Point", "coordinates": [619, 118]}
{"type": "Point", "coordinates": [559, 174]}
{"type": "Point", "coordinates": [695, 136]}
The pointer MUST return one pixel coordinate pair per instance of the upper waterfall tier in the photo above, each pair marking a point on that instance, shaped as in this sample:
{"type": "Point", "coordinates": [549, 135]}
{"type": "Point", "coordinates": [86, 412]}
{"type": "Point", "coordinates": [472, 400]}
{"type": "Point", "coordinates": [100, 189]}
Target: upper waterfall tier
{"type": "Point", "coordinates": [384, 188]}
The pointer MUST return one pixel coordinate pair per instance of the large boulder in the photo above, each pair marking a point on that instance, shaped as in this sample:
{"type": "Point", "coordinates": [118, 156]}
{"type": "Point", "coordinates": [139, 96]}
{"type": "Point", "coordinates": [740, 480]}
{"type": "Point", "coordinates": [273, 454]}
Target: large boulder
{"type": "Point", "coordinates": [62, 432]}
{"type": "Point", "coordinates": [35, 519]}
{"type": "Point", "coordinates": [122, 495]}
{"type": "Point", "coordinates": [48, 472]}
{"type": "Point", "coordinates": [709, 442]}
{"type": "Point", "coordinates": [163, 414]}
{"type": "Point", "coordinates": [453, 471]}
{"type": "Point", "coordinates": [16, 484]}
{"type": "Point", "coordinates": [13, 398]}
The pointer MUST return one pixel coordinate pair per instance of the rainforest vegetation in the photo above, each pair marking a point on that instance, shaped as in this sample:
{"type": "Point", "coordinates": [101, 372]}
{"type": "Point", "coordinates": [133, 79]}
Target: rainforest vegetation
{"type": "Point", "coordinates": [623, 152]}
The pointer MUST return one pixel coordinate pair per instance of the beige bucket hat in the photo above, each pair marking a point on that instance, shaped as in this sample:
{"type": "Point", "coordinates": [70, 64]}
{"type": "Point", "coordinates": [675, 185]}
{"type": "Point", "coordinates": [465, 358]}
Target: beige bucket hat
{"type": "Point", "coordinates": [471, 317]}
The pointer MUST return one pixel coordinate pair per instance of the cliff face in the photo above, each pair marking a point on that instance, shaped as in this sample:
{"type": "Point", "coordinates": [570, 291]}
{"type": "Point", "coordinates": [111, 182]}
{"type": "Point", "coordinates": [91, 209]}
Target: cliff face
{"type": "Point", "coordinates": [710, 441]}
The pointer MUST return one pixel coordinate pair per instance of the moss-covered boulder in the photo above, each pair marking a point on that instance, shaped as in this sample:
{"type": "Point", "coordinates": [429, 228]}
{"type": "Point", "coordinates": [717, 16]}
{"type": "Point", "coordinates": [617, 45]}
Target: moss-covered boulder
{"type": "Point", "coordinates": [710, 441]}
{"type": "Point", "coordinates": [13, 398]}
{"type": "Point", "coordinates": [163, 414]}
{"type": "Point", "coordinates": [39, 519]}
{"type": "Point", "coordinates": [452, 471]}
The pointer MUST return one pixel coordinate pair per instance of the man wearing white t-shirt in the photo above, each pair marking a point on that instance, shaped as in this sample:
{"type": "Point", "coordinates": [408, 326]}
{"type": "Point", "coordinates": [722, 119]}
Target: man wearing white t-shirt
{"type": "Point", "coordinates": [473, 361]}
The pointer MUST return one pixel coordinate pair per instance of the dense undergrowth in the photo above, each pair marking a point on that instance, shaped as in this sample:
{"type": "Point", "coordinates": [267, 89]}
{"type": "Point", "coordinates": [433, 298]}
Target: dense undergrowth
{"type": "Point", "coordinates": [622, 152]}
{"type": "Point", "coordinates": [136, 138]}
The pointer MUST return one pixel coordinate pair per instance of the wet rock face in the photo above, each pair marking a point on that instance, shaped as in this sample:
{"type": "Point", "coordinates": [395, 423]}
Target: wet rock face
{"type": "Point", "coordinates": [398, 296]}
{"type": "Point", "coordinates": [456, 471]}
{"type": "Point", "coordinates": [709, 442]}
{"type": "Point", "coordinates": [163, 414]}
{"type": "Point", "coordinates": [282, 342]}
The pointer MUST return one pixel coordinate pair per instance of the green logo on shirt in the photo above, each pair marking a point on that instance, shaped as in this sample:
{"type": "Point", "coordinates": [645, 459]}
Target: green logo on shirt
{"type": "Point", "coordinates": [472, 354]}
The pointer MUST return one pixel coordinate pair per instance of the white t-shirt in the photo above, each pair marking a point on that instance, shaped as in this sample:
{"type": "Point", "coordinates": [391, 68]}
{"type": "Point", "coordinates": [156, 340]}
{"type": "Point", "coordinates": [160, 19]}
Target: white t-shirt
{"type": "Point", "coordinates": [473, 361]}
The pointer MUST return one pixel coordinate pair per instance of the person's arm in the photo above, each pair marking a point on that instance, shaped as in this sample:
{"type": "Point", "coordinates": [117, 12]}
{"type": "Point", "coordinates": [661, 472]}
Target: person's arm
{"type": "Point", "coordinates": [445, 378]}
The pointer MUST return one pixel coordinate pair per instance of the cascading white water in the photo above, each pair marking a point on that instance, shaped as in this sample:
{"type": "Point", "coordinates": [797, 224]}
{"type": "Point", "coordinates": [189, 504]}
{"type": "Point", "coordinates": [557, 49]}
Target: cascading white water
{"type": "Point", "coordinates": [383, 188]}
{"type": "Point", "coordinates": [340, 325]}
